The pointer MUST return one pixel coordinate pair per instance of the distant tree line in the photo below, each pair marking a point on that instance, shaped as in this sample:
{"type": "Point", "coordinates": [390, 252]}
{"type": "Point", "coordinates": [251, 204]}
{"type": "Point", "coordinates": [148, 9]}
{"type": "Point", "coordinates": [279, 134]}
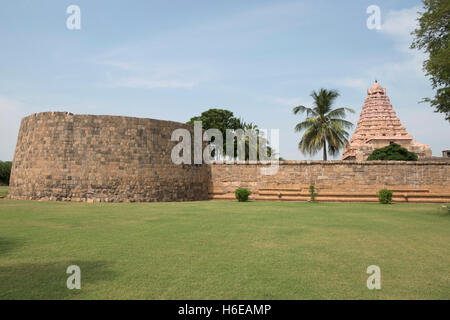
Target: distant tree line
{"type": "Point", "coordinates": [5, 172]}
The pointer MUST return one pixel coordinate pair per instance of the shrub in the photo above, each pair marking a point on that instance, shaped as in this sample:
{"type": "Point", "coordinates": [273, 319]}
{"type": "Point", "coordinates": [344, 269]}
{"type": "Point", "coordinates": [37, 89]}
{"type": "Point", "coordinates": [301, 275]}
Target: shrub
{"type": "Point", "coordinates": [385, 196]}
{"type": "Point", "coordinates": [312, 192]}
{"type": "Point", "coordinates": [5, 172]}
{"type": "Point", "coordinates": [393, 152]}
{"type": "Point", "coordinates": [242, 194]}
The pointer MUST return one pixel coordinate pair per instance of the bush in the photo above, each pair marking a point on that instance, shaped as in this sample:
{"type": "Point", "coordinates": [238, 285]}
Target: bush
{"type": "Point", "coordinates": [385, 196]}
{"type": "Point", "coordinates": [242, 194]}
{"type": "Point", "coordinates": [5, 172]}
{"type": "Point", "coordinates": [393, 152]}
{"type": "Point", "coordinates": [312, 192]}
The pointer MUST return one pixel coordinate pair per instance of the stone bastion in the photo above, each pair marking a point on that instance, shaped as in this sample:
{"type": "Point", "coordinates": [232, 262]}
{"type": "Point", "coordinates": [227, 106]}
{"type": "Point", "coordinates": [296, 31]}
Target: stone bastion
{"type": "Point", "coordinates": [62, 156]}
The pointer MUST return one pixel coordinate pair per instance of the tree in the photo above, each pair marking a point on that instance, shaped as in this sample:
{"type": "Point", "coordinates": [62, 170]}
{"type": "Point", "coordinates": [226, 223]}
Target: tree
{"type": "Point", "coordinates": [432, 36]}
{"type": "Point", "coordinates": [324, 127]}
{"type": "Point", "coordinates": [262, 141]}
{"type": "Point", "coordinates": [5, 172]}
{"type": "Point", "coordinates": [224, 119]}
{"type": "Point", "coordinates": [393, 152]}
{"type": "Point", "coordinates": [218, 119]}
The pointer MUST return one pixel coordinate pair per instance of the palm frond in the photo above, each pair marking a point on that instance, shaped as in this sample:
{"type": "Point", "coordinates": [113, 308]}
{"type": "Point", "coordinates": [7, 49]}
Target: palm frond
{"type": "Point", "coordinates": [302, 109]}
{"type": "Point", "coordinates": [343, 123]}
{"type": "Point", "coordinates": [309, 122]}
{"type": "Point", "coordinates": [312, 140]}
{"type": "Point", "coordinates": [339, 113]}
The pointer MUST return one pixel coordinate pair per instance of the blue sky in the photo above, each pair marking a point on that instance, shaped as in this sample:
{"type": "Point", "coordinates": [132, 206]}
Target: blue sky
{"type": "Point", "coordinates": [174, 59]}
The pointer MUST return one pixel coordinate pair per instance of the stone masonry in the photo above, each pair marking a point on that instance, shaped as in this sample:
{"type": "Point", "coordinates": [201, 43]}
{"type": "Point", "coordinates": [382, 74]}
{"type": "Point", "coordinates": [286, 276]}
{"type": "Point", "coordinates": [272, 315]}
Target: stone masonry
{"type": "Point", "coordinates": [62, 156]}
{"type": "Point", "coordinates": [378, 126]}
{"type": "Point", "coordinates": [67, 157]}
{"type": "Point", "coordinates": [410, 181]}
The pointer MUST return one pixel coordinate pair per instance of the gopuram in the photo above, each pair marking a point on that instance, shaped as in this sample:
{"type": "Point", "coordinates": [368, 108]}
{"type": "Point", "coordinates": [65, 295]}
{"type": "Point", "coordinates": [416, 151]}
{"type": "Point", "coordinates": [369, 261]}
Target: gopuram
{"type": "Point", "coordinates": [378, 126]}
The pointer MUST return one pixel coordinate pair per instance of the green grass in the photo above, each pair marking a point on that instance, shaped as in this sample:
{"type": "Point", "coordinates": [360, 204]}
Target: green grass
{"type": "Point", "coordinates": [3, 191]}
{"type": "Point", "coordinates": [223, 250]}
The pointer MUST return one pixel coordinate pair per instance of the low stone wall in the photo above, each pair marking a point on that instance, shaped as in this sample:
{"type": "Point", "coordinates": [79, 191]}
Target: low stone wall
{"type": "Point", "coordinates": [61, 156]}
{"type": "Point", "coordinates": [335, 180]}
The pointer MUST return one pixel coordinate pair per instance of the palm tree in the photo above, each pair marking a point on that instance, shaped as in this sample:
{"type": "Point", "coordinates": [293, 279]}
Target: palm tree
{"type": "Point", "coordinates": [262, 142]}
{"type": "Point", "coordinates": [323, 125]}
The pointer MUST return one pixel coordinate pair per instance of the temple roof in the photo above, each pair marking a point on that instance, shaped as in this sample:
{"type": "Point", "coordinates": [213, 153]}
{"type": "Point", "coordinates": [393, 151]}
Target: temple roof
{"type": "Point", "coordinates": [376, 88]}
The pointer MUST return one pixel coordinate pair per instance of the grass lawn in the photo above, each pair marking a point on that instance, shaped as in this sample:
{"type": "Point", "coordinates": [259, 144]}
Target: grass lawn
{"type": "Point", "coordinates": [3, 191]}
{"type": "Point", "coordinates": [223, 250]}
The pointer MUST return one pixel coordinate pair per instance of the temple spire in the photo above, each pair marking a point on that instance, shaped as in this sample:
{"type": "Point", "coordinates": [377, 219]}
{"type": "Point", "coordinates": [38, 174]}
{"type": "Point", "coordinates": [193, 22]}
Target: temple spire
{"type": "Point", "coordinates": [378, 126]}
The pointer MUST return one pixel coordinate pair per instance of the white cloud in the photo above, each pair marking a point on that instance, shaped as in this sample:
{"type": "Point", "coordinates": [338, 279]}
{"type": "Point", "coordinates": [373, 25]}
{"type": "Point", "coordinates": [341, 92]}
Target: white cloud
{"type": "Point", "coordinates": [405, 69]}
{"type": "Point", "coordinates": [143, 83]}
{"type": "Point", "coordinates": [400, 23]}
{"type": "Point", "coordinates": [134, 71]}
{"type": "Point", "coordinates": [146, 64]}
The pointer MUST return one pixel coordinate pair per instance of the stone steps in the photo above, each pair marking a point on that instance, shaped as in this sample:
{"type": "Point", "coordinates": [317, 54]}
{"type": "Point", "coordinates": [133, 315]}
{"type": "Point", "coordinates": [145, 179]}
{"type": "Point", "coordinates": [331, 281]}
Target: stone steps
{"type": "Point", "coordinates": [286, 194]}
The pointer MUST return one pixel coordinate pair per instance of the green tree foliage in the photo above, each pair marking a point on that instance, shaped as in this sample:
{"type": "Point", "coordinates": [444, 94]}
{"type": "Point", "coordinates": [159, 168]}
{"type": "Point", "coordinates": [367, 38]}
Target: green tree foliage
{"type": "Point", "coordinates": [393, 152]}
{"type": "Point", "coordinates": [432, 36]}
{"type": "Point", "coordinates": [262, 141]}
{"type": "Point", "coordinates": [5, 172]}
{"type": "Point", "coordinates": [218, 119]}
{"type": "Point", "coordinates": [323, 125]}
{"type": "Point", "coordinates": [224, 119]}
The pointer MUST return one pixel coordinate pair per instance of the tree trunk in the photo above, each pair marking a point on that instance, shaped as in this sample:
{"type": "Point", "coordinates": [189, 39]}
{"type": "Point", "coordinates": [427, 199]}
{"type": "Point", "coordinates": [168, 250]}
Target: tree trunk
{"type": "Point", "coordinates": [324, 149]}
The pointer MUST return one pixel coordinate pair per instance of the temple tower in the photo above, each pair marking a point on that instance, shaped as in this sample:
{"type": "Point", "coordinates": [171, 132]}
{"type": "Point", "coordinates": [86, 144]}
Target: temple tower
{"type": "Point", "coordinates": [378, 126]}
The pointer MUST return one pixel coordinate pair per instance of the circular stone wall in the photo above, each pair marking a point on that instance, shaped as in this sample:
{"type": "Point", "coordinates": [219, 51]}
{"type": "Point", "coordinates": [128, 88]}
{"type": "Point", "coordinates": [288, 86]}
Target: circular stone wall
{"type": "Point", "coordinates": [62, 156]}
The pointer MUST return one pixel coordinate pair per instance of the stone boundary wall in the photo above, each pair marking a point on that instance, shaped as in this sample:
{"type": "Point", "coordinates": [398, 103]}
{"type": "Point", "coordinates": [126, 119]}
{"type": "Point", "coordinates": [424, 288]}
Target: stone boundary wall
{"type": "Point", "coordinates": [62, 156]}
{"type": "Point", "coordinates": [335, 180]}
{"type": "Point", "coordinates": [67, 157]}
